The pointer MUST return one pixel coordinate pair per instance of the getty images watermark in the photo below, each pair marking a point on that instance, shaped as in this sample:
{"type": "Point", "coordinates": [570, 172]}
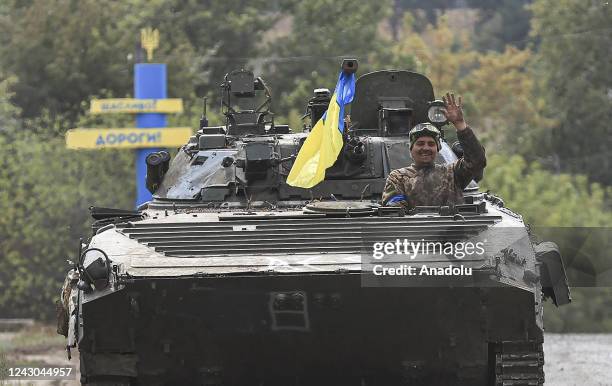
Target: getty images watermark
{"type": "Point", "coordinates": [412, 249]}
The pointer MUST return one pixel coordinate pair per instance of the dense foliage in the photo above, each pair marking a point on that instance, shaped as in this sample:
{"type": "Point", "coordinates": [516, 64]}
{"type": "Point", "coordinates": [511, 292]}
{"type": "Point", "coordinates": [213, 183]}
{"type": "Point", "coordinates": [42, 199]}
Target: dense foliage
{"type": "Point", "coordinates": [61, 60]}
{"type": "Point", "coordinates": [575, 61]}
{"type": "Point", "coordinates": [535, 77]}
{"type": "Point", "coordinates": [45, 192]}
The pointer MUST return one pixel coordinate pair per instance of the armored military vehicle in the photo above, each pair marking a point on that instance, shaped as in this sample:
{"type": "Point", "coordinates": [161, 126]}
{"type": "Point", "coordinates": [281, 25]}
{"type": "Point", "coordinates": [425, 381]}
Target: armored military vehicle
{"type": "Point", "coordinates": [230, 276]}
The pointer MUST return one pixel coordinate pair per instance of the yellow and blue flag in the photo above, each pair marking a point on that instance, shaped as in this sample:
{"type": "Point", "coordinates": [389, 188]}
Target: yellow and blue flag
{"type": "Point", "coordinates": [323, 144]}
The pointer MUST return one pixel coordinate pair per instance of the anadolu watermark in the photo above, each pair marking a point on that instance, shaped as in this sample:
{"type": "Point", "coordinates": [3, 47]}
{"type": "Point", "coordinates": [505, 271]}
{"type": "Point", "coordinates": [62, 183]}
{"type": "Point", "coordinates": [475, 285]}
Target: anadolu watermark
{"type": "Point", "coordinates": [412, 249]}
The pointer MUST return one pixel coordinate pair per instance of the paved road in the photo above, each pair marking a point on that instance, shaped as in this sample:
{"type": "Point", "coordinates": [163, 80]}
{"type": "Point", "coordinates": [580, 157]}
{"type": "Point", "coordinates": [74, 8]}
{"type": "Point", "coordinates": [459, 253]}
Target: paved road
{"type": "Point", "coordinates": [578, 359]}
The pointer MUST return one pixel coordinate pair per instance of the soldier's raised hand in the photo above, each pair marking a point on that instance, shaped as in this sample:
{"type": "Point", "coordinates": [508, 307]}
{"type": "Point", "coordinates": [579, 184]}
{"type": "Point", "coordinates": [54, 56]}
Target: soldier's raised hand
{"type": "Point", "coordinates": [453, 111]}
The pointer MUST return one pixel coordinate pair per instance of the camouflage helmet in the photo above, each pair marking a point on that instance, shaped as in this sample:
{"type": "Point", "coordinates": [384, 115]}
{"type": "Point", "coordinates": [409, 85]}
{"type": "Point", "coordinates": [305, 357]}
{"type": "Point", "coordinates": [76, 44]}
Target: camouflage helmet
{"type": "Point", "coordinates": [424, 130]}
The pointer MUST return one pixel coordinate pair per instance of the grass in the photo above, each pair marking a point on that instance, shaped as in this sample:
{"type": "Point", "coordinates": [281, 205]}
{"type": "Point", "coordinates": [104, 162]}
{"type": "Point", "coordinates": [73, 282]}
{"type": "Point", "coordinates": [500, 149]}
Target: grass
{"type": "Point", "coordinates": [33, 339]}
{"type": "Point", "coordinates": [37, 338]}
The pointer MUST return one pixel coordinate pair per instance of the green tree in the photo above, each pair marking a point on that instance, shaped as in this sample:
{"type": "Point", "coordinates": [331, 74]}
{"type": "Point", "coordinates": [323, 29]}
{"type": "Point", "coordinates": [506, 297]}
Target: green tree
{"type": "Point", "coordinates": [45, 191]}
{"type": "Point", "coordinates": [575, 62]}
{"type": "Point", "coordinates": [62, 52]}
{"type": "Point", "coordinates": [501, 90]}
{"type": "Point", "coordinates": [501, 23]}
{"type": "Point", "coordinates": [9, 114]}
{"type": "Point", "coordinates": [322, 33]}
{"type": "Point", "coordinates": [503, 102]}
{"type": "Point", "coordinates": [498, 23]}
{"type": "Point", "coordinates": [203, 40]}
{"type": "Point", "coordinates": [544, 198]}
{"type": "Point", "coordinates": [441, 54]}
{"type": "Point", "coordinates": [65, 52]}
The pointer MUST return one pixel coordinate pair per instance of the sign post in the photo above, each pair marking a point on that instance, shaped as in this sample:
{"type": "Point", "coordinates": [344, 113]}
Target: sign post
{"type": "Point", "coordinates": [149, 83]}
{"type": "Point", "coordinates": [150, 106]}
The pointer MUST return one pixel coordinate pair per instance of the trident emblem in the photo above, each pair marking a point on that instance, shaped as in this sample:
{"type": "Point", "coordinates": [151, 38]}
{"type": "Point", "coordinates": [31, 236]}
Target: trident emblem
{"type": "Point", "coordinates": [149, 39]}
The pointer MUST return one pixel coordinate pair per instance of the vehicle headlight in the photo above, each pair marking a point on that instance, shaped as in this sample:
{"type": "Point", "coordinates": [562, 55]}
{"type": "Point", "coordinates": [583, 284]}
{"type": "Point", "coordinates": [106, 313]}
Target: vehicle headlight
{"type": "Point", "coordinates": [435, 113]}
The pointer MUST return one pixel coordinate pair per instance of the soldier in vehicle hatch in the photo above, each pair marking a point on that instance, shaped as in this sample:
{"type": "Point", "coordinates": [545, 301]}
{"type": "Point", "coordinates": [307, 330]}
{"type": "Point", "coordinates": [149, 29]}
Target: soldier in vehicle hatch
{"type": "Point", "coordinates": [425, 183]}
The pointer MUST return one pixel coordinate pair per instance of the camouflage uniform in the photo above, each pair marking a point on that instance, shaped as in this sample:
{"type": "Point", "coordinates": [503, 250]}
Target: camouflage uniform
{"type": "Point", "coordinates": [436, 185]}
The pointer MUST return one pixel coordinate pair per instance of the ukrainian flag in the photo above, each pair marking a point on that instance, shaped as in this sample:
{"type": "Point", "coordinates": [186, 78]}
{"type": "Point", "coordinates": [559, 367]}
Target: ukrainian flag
{"type": "Point", "coordinates": [323, 144]}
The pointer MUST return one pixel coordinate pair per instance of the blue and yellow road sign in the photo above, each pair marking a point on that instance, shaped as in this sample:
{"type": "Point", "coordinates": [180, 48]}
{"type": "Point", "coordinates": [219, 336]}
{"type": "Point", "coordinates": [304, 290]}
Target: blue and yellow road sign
{"type": "Point", "coordinates": [128, 138]}
{"type": "Point", "coordinates": [151, 104]}
{"type": "Point", "coordinates": [132, 106]}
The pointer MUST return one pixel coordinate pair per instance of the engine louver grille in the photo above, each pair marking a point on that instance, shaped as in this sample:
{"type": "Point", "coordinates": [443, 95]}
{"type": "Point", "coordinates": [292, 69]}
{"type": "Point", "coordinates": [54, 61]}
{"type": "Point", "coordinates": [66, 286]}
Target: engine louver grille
{"type": "Point", "coordinates": [283, 236]}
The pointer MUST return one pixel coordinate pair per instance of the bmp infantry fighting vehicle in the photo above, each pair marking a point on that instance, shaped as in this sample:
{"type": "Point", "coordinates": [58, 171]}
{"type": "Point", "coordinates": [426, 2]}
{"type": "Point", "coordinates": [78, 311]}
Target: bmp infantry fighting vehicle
{"type": "Point", "coordinates": [230, 276]}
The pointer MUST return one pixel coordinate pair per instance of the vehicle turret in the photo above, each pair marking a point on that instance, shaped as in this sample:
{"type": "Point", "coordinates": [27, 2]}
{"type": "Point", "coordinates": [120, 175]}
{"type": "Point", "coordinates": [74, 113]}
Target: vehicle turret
{"type": "Point", "coordinates": [247, 159]}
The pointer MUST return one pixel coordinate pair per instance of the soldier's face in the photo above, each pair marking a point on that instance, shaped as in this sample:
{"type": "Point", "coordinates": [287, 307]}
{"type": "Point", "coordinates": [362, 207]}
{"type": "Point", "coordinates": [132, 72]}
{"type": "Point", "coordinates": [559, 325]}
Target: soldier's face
{"type": "Point", "coordinates": [424, 151]}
